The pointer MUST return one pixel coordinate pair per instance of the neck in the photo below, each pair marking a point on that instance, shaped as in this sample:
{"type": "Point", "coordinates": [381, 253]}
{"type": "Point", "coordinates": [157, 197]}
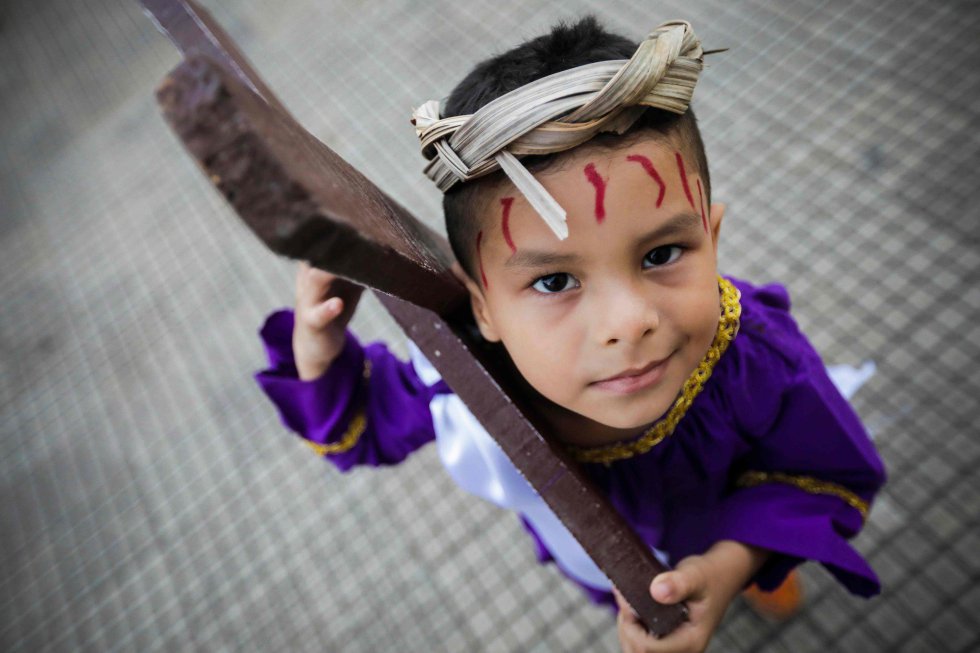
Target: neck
{"type": "Point", "coordinates": [577, 430]}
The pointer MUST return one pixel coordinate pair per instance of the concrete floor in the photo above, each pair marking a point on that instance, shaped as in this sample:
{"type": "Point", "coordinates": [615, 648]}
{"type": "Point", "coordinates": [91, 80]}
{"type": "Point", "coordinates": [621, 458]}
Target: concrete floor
{"type": "Point", "coordinates": [153, 501]}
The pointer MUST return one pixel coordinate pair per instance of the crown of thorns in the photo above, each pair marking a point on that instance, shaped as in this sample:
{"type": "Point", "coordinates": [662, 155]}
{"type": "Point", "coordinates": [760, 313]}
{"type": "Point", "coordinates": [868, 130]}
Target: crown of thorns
{"type": "Point", "coordinates": [559, 112]}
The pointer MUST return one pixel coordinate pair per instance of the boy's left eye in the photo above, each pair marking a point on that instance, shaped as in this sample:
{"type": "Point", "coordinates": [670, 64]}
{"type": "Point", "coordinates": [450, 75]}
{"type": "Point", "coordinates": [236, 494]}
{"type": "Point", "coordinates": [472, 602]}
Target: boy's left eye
{"type": "Point", "coordinates": [552, 284]}
{"type": "Point", "coordinates": [660, 256]}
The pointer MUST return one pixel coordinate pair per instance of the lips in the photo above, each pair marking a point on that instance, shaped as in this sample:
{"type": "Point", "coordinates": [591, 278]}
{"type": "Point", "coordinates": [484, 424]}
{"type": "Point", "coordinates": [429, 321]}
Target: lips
{"type": "Point", "coordinates": [634, 379]}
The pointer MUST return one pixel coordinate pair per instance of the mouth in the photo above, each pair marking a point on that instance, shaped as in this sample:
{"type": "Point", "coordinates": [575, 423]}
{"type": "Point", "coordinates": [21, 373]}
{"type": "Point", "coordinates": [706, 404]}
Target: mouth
{"type": "Point", "coordinates": [634, 379]}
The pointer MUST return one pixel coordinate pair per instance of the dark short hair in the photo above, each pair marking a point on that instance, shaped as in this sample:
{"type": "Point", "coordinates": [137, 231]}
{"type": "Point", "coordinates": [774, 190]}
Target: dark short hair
{"type": "Point", "coordinates": [565, 46]}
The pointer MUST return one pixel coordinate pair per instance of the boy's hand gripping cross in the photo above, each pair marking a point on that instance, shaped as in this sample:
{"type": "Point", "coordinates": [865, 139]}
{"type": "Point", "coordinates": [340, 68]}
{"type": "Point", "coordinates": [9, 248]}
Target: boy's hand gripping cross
{"type": "Point", "coordinates": [305, 202]}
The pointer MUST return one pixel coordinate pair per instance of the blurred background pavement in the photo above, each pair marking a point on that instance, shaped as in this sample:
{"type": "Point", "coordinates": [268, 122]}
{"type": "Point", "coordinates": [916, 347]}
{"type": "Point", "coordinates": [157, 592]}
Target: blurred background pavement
{"type": "Point", "coordinates": [152, 501]}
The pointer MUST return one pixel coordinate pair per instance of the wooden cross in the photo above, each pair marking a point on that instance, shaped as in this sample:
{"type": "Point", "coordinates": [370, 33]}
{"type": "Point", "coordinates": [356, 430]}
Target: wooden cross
{"type": "Point", "coordinates": [305, 202]}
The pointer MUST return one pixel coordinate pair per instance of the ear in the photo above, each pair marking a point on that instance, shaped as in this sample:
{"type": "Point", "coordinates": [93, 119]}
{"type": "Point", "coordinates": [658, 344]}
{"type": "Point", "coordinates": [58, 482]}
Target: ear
{"type": "Point", "coordinates": [478, 303]}
{"type": "Point", "coordinates": [716, 216]}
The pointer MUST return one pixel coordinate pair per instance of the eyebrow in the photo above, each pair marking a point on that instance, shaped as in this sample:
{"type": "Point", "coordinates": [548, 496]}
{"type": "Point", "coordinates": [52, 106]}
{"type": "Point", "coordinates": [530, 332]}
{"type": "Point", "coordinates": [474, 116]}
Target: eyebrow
{"type": "Point", "coordinates": [678, 224]}
{"type": "Point", "coordinates": [532, 258]}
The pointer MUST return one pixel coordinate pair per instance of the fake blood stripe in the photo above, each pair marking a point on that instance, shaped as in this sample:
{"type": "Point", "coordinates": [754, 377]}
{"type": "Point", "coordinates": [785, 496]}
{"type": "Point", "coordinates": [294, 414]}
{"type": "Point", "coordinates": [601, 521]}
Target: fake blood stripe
{"type": "Point", "coordinates": [505, 222]}
{"type": "Point", "coordinates": [687, 189]}
{"type": "Point", "coordinates": [600, 191]}
{"type": "Point", "coordinates": [704, 218]}
{"type": "Point", "coordinates": [479, 258]}
{"type": "Point", "coordinates": [650, 170]}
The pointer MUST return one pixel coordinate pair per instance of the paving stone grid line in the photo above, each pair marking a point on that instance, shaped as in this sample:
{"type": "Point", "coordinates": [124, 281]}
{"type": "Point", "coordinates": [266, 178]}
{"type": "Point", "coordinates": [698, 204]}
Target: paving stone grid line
{"type": "Point", "coordinates": [152, 500]}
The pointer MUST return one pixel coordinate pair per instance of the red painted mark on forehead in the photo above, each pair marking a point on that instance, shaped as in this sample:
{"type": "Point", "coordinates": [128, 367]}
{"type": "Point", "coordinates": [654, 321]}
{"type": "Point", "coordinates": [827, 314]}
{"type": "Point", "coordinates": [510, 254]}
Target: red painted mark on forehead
{"type": "Point", "coordinates": [479, 258]}
{"type": "Point", "coordinates": [687, 189]}
{"type": "Point", "coordinates": [600, 191]}
{"type": "Point", "coordinates": [704, 218]}
{"type": "Point", "coordinates": [650, 170]}
{"type": "Point", "coordinates": [505, 222]}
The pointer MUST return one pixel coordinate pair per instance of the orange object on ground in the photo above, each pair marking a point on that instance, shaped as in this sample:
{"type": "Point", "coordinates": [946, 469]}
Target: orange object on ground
{"type": "Point", "coordinates": [779, 604]}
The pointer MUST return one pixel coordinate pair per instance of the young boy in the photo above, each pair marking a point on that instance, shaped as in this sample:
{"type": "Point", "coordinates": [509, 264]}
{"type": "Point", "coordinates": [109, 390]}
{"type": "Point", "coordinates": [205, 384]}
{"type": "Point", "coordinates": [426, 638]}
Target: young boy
{"type": "Point", "coordinates": [691, 400]}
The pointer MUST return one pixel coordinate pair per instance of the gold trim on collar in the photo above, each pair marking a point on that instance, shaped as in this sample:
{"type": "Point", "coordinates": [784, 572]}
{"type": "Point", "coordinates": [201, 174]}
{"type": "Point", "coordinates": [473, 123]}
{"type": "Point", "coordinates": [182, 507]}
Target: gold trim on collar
{"type": "Point", "coordinates": [731, 310]}
{"type": "Point", "coordinates": [807, 484]}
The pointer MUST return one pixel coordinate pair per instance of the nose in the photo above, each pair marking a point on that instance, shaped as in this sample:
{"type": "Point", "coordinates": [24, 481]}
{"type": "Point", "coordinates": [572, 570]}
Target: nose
{"type": "Point", "coordinates": [625, 316]}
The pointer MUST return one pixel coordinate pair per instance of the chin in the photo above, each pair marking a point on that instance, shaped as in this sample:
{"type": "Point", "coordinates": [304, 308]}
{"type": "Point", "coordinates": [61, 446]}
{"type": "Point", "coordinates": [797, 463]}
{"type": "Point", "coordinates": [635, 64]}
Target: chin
{"type": "Point", "coordinates": [626, 418]}
{"type": "Point", "coordinates": [630, 420]}
{"type": "Point", "coordinates": [626, 422]}
{"type": "Point", "coordinates": [629, 425]}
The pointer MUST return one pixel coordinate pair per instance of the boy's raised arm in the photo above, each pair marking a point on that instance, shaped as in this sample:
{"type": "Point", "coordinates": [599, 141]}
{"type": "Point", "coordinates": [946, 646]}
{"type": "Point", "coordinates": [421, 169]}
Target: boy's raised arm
{"type": "Point", "coordinates": [325, 305]}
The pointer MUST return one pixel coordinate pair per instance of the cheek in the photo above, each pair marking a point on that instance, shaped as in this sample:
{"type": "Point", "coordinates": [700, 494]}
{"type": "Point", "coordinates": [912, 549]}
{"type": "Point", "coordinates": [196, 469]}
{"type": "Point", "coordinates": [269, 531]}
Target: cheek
{"type": "Point", "coordinates": [543, 353]}
{"type": "Point", "coordinates": [694, 310]}
{"type": "Point", "coordinates": [705, 313]}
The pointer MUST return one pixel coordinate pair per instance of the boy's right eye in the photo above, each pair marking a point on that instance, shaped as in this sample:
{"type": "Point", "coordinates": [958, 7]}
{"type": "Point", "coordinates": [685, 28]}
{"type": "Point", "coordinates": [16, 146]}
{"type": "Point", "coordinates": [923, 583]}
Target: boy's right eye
{"type": "Point", "coordinates": [555, 283]}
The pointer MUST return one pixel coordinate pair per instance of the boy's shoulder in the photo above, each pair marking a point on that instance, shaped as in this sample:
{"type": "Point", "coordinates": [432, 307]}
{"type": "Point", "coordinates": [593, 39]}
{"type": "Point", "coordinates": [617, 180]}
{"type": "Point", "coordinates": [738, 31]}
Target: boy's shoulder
{"type": "Point", "coordinates": [767, 322]}
{"type": "Point", "coordinates": [769, 357]}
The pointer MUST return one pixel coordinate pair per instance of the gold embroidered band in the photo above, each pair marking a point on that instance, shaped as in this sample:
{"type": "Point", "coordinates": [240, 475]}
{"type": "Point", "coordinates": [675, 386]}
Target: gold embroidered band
{"type": "Point", "coordinates": [807, 484]}
{"type": "Point", "coordinates": [355, 429]}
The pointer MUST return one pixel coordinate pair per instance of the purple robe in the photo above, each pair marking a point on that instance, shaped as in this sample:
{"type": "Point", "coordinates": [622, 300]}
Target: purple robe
{"type": "Point", "coordinates": [769, 454]}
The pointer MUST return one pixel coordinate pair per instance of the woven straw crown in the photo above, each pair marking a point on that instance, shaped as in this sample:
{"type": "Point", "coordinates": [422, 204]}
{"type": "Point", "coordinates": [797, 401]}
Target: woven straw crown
{"type": "Point", "coordinates": [559, 112]}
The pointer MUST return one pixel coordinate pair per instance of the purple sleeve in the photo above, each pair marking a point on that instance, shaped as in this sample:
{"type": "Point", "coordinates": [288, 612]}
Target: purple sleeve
{"type": "Point", "coordinates": [807, 481]}
{"type": "Point", "coordinates": [369, 408]}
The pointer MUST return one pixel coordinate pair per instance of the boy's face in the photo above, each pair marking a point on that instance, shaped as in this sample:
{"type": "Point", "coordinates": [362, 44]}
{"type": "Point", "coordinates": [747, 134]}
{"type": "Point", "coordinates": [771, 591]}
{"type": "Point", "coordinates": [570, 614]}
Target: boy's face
{"type": "Point", "coordinates": [609, 323]}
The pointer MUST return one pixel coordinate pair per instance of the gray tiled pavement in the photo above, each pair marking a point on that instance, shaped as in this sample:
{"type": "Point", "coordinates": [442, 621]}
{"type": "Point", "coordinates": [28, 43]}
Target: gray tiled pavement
{"type": "Point", "coordinates": [152, 501]}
